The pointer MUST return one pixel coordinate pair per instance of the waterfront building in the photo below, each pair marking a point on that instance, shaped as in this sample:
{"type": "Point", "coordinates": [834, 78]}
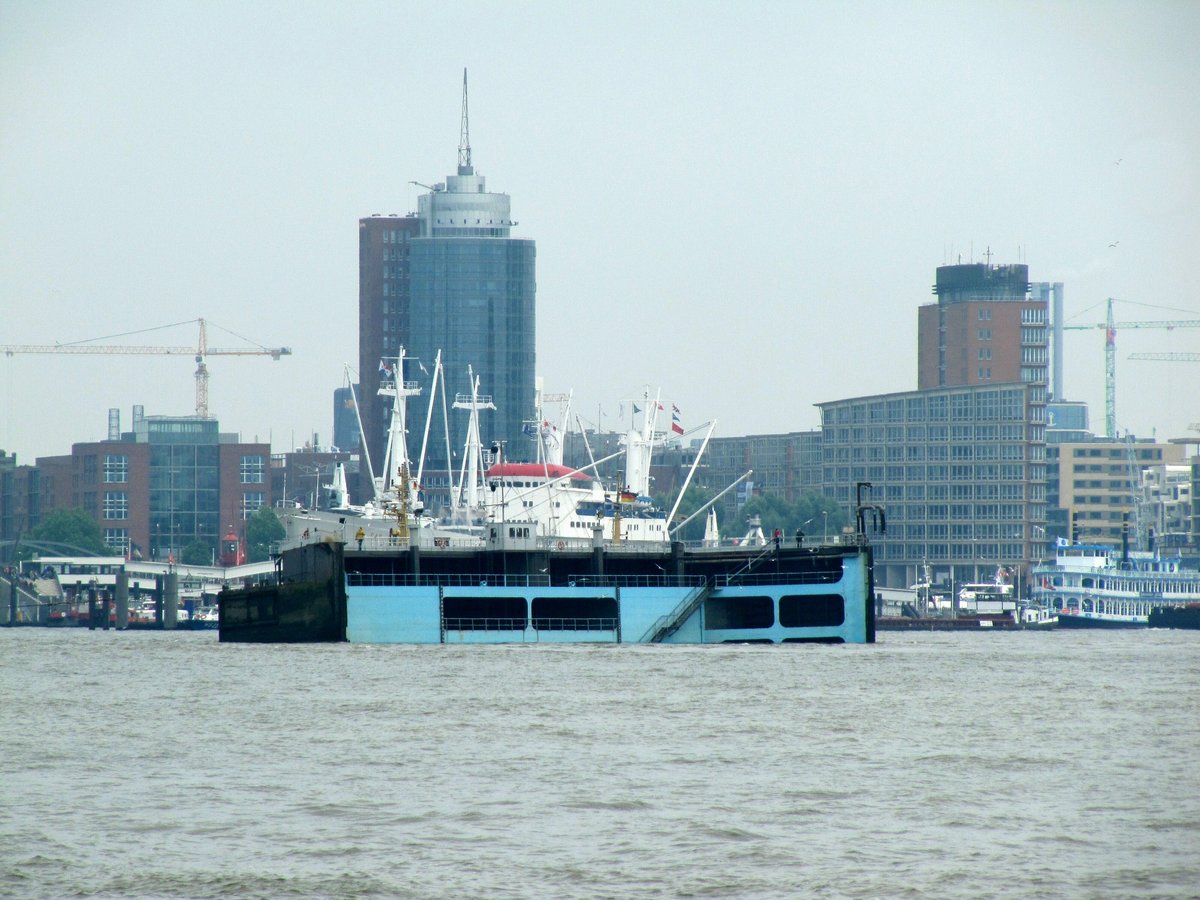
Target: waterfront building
{"type": "Point", "coordinates": [451, 278]}
{"type": "Point", "coordinates": [961, 472]}
{"type": "Point", "coordinates": [1195, 516]}
{"type": "Point", "coordinates": [1051, 293]}
{"type": "Point", "coordinates": [1067, 422]}
{"type": "Point", "coordinates": [20, 500]}
{"type": "Point", "coordinates": [1093, 487]}
{"type": "Point", "coordinates": [985, 328]}
{"type": "Point", "coordinates": [787, 465]}
{"type": "Point", "coordinates": [167, 483]}
{"type": "Point", "coordinates": [1166, 506]}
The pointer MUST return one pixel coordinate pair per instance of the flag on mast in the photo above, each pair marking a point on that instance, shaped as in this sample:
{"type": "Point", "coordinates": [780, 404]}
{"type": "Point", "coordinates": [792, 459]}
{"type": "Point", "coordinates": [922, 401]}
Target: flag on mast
{"type": "Point", "coordinates": [676, 426]}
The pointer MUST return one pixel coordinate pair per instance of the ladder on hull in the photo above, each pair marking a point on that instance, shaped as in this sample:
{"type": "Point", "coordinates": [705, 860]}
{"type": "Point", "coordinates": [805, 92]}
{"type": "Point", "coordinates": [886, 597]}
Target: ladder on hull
{"type": "Point", "coordinates": [665, 626]}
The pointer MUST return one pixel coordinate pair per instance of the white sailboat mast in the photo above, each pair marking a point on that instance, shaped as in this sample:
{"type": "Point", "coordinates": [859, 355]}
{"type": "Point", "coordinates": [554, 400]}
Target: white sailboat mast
{"type": "Point", "coordinates": [437, 372]}
{"type": "Point", "coordinates": [397, 445]}
{"type": "Point", "coordinates": [362, 434]}
{"type": "Point", "coordinates": [638, 448]}
{"type": "Point", "coordinates": [469, 485]}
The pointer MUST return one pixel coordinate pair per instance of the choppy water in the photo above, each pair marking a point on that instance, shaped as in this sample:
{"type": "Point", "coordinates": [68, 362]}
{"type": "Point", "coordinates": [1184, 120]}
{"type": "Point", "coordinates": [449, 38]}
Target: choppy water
{"type": "Point", "coordinates": [168, 765]}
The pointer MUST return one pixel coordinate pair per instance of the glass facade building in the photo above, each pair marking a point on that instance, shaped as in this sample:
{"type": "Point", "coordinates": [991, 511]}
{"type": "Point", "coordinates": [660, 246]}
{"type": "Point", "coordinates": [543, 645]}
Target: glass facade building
{"type": "Point", "coordinates": [448, 278]}
{"type": "Point", "coordinates": [168, 483]}
{"type": "Point", "coordinates": [473, 299]}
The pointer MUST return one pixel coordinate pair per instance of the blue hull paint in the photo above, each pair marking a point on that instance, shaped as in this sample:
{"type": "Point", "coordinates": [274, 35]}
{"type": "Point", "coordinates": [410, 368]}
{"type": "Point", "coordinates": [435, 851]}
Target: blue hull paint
{"type": "Point", "coordinates": [412, 615]}
{"type": "Point", "coordinates": [627, 595]}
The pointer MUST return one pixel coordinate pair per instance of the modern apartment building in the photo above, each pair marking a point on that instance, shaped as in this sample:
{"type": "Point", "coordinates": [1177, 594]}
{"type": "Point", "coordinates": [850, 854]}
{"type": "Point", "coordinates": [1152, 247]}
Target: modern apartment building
{"type": "Point", "coordinates": [961, 472]}
{"type": "Point", "coordinates": [1165, 506]}
{"type": "Point", "coordinates": [169, 482]}
{"type": "Point", "coordinates": [1096, 486]}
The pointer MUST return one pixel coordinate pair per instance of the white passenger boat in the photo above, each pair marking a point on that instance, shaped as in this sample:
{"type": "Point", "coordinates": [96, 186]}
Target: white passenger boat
{"type": "Point", "coordinates": [1095, 586]}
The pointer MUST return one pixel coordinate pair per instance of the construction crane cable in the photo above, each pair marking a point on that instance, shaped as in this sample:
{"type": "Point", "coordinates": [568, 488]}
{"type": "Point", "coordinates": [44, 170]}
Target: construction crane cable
{"type": "Point", "coordinates": [1159, 306]}
{"type": "Point", "coordinates": [213, 324]}
{"type": "Point", "coordinates": [108, 337]}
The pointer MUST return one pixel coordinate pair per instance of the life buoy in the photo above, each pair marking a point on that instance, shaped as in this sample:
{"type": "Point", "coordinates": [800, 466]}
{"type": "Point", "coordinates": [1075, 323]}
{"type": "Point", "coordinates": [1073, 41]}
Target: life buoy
{"type": "Point", "coordinates": [561, 545]}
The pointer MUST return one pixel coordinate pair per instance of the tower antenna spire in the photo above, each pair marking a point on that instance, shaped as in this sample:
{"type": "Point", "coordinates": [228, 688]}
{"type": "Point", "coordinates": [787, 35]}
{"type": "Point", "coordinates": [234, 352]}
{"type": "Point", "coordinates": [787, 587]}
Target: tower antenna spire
{"type": "Point", "coordinates": [464, 140]}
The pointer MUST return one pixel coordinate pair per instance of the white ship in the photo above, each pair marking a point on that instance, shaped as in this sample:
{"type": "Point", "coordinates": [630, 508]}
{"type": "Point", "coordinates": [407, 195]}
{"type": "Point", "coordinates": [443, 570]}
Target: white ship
{"type": "Point", "coordinates": [1094, 586]}
{"type": "Point", "coordinates": [571, 505]}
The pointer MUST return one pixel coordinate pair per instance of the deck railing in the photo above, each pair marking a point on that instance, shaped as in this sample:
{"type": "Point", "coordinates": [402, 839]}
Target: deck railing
{"type": "Point", "coordinates": [480, 579]}
{"type": "Point", "coordinates": [539, 623]}
{"type": "Point", "coordinates": [443, 579]}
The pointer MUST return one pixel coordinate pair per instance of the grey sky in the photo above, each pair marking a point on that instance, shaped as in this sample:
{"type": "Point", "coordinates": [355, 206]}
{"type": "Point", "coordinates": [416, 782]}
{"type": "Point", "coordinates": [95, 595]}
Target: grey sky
{"type": "Point", "coordinates": [741, 203]}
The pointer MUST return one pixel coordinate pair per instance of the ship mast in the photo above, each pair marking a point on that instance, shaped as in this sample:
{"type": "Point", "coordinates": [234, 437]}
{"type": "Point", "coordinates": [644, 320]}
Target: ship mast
{"type": "Point", "coordinates": [468, 483]}
{"type": "Point", "coordinates": [396, 456]}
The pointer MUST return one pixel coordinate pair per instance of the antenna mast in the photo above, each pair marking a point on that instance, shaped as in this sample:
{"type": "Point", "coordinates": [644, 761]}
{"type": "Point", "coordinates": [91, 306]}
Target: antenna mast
{"type": "Point", "coordinates": [464, 140]}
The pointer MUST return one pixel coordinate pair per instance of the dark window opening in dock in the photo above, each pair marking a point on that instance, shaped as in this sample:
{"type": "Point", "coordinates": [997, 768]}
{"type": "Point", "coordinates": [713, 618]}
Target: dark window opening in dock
{"type": "Point", "coordinates": [811, 610]}
{"type": "Point", "coordinates": [484, 613]}
{"type": "Point", "coordinates": [814, 640]}
{"type": "Point", "coordinates": [247, 609]}
{"type": "Point", "coordinates": [738, 612]}
{"type": "Point", "coordinates": [575, 613]}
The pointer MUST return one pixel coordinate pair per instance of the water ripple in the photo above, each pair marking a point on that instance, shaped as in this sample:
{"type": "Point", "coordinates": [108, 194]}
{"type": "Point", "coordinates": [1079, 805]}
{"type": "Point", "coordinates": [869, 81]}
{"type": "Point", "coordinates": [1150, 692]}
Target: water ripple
{"type": "Point", "coordinates": [930, 764]}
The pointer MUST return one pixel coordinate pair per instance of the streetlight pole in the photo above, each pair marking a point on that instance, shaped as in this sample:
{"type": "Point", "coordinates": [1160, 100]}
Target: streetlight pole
{"type": "Point", "coordinates": [825, 527]}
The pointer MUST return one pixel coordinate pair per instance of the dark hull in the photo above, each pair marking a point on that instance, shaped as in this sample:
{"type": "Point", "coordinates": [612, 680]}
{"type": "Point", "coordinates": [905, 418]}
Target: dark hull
{"type": "Point", "coordinates": [1176, 617]}
{"type": "Point", "coordinates": [1067, 621]}
{"type": "Point", "coordinates": [962, 623]}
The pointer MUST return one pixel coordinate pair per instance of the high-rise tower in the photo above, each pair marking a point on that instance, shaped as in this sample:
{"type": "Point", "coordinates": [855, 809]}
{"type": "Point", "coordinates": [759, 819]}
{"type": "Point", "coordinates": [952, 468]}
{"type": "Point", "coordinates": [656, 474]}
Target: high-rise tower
{"type": "Point", "coordinates": [450, 278]}
{"type": "Point", "coordinates": [984, 328]}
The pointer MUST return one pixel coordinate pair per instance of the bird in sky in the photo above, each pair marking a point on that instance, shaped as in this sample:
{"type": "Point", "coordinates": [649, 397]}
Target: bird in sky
{"type": "Point", "coordinates": [1114, 243]}
{"type": "Point", "coordinates": [1118, 162]}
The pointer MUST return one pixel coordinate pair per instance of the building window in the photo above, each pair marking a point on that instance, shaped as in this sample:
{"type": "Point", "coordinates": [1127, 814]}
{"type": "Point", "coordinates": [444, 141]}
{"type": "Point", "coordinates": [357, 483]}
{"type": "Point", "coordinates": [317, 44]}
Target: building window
{"type": "Point", "coordinates": [116, 469]}
{"type": "Point", "coordinates": [252, 470]}
{"type": "Point", "coordinates": [984, 334]}
{"type": "Point", "coordinates": [116, 505]}
{"type": "Point", "coordinates": [117, 539]}
{"type": "Point", "coordinates": [251, 503]}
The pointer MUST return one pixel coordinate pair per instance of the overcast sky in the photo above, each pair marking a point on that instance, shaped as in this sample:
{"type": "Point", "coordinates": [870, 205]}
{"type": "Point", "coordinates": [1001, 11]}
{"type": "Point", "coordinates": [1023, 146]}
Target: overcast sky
{"type": "Point", "coordinates": [742, 204]}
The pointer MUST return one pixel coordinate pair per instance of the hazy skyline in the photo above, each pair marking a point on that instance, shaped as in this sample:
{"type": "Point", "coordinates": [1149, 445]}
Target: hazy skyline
{"type": "Point", "coordinates": [742, 205]}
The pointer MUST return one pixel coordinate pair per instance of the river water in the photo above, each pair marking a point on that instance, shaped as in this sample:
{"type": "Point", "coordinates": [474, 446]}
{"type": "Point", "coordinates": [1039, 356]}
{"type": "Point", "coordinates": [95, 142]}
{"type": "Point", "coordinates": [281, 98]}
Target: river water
{"type": "Point", "coordinates": [152, 764]}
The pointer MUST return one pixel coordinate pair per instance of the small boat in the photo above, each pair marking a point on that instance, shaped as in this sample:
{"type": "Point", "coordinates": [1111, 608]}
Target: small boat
{"type": "Point", "coordinates": [206, 617]}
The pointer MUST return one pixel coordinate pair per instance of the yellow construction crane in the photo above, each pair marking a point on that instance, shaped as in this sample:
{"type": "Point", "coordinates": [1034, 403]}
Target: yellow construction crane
{"type": "Point", "coordinates": [200, 352]}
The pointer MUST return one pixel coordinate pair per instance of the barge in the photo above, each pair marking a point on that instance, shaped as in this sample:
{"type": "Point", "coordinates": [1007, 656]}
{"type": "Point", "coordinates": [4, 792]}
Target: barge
{"type": "Point", "coordinates": [518, 587]}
